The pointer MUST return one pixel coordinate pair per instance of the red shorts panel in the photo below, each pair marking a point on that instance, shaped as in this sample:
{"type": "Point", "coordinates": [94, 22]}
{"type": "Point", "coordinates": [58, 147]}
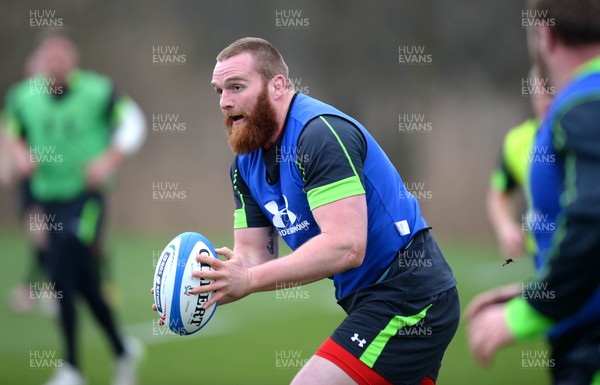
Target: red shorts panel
{"type": "Point", "coordinates": [354, 367]}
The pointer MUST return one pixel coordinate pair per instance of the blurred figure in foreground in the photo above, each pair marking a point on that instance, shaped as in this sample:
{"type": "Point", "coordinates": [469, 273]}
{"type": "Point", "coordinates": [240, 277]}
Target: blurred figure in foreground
{"type": "Point", "coordinates": [70, 131]}
{"type": "Point", "coordinates": [564, 299]}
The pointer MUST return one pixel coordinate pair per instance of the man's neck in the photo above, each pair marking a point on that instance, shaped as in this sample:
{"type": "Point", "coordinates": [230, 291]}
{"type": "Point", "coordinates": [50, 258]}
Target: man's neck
{"type": "Point", "coordinates": [282, 110]}
{"type": "Point", "coordinates": [569, 60]}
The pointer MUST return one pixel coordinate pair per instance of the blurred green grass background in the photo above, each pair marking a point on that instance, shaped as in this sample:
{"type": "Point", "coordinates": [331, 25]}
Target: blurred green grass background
{"type": "Point", "coordinates": [244, 340]}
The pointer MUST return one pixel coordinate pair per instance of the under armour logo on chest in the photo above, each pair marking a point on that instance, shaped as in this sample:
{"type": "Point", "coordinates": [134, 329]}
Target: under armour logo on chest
{"type": "Point", "coordinates": [282, 218]}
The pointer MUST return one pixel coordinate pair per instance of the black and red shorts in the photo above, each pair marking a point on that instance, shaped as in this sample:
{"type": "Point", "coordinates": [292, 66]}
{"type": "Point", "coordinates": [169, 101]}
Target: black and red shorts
{"type": "Point", "coordinates": [389, 340]}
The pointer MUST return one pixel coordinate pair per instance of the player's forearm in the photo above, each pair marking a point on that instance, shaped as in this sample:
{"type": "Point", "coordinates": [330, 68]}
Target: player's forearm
{"type": "Point", "coordinates": [257, 245]}
{"type": "Point", "coordinates": [252, 258]}
{"type": "Point", "coordinates": [115, 157]}
{"type": "Point", "coordinates": [321, 257]}
{"type": "Point", "coordinates": [19, 151]}
{"type": "Point", "coordinates": [499, 209]}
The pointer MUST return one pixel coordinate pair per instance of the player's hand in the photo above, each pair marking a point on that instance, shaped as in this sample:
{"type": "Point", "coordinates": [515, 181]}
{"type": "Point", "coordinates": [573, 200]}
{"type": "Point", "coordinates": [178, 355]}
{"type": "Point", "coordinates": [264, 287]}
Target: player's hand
{"type": "Point", "coordinates": [232, 279]}
{"type": "Point", "coordinates": [24, 162]}
{"type": "Point", "coordinates": [160, 320]}
{"type": "Point", "coordinates": [512, 240]}
{"type": "Point", "coordinates": [487, 332]}
{"type": "Point", "coordinates": [102, 167]}
{"type": "Point", "coordinates": [492, 297]}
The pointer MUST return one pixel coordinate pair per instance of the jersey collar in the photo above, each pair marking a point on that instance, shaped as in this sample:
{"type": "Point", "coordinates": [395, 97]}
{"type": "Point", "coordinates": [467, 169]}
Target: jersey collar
{"type": "Point", "coordinates": [589, 67]}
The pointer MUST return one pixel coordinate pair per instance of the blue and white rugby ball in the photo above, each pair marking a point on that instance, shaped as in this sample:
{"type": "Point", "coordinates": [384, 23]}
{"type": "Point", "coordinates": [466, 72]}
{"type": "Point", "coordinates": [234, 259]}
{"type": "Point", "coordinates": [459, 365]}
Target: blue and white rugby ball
{"type": "Point", "coordinates": [181, 310]}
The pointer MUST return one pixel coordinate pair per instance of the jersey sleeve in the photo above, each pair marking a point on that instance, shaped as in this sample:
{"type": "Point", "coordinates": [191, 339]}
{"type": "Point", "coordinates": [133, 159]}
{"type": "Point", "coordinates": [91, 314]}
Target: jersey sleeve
{"type": "Point", "coordinates": [247, 212]}
{"type": "Point", "coordinates": [10, 116]}
{"type": "Point", "coordinates": [331, 151]}
{"type": "Point", "coordinates": [502, 179]}
{"type": "Point", "coordinates": [129, 124]}
{"type": "Point", "coordinates": [571, 274]}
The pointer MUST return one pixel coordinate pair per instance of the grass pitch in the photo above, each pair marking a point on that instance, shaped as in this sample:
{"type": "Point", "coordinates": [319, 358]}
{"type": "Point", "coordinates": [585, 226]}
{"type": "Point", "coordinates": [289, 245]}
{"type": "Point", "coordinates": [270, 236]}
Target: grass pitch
{"type": "Point", "coordinates": [261, 340]}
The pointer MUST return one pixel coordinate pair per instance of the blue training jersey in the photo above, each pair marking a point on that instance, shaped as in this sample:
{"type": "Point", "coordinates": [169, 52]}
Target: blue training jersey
{"type": "Point", "coordinates": [307, 179]}
{"type": "Point", "coordinates": [565, 209]}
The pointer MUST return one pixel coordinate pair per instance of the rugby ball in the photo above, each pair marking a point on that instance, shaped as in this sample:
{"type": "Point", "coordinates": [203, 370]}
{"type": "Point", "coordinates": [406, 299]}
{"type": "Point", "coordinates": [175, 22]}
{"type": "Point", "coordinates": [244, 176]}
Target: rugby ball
{"type": "Point", "coordinates": [178, 308]}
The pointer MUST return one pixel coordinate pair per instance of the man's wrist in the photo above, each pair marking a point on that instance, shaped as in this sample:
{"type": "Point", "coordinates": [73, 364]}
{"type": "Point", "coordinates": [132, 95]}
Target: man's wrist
{"type": "Point", "coordinates": [523, 321]}
{"type": "Point", "coordinates": [116, 157]}
{"type": "Point", "coordinates": [251, 280]}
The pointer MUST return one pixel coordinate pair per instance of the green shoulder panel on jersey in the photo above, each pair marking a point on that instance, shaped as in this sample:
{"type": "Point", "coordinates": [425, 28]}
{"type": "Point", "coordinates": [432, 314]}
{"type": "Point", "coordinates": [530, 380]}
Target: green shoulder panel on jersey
{"type": "Point", "coordinates": [335, 191]}
{"type": "Point", "coordinates": [499, 180]}
{"type": "Point", "coordinates": [588, 68]}
{"type": "Point", "coordinates": [120, 108]}
{"type": "Point", "coordinates": [515, 165]}
{"type": "Point", "coordinates": [517, 147]}
{"type": "Point", "coordinates": [340, 189]}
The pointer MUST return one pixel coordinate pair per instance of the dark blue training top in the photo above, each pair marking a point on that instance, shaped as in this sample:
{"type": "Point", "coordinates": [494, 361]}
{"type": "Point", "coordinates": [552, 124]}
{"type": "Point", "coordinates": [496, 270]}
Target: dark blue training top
{"type": "Point", "coordinates": [565, 193]}
{"type": "Point", "coordinates": [322, 156]}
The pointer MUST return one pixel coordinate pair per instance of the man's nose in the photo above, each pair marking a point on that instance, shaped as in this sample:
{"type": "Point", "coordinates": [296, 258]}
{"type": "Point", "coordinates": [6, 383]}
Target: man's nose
{"type": "Point", "coordinates": [225, 101]}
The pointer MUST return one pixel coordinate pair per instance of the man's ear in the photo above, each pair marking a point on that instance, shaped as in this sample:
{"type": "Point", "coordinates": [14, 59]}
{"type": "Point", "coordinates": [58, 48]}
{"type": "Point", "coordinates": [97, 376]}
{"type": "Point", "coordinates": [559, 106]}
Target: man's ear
{"type": "Point", "coordinates": [546, 39]}
{"type": "Point", "coordinates": [278, 85]}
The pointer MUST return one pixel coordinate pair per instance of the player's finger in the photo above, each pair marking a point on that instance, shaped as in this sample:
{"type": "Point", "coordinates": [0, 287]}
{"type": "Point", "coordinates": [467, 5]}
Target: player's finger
{"type": "Point", "coordinates": [216, 297]}
{"type": "Point", "coordinates": [206, 274]}
{"type": "Point", "coordinates": [207, 259]}
{"type": "Point", "coordinates": [154, 307]}
{"type": "Point", "coordinates": [205, 288]}
{"type": "Point", "coordinates": [480, 340]}
{"type": "Point", "coordinates": [483, 353]}
{"type": "Point", "coordinates": [473, 340]}
{"type": "Point", "coordinates": [152, 290]}
{"type": "Point", "coordinates": [225, 251]}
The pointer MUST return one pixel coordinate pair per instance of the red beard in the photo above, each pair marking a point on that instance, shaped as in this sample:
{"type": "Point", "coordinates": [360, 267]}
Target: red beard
{"type": "Point", "coordinates": [258, 127]}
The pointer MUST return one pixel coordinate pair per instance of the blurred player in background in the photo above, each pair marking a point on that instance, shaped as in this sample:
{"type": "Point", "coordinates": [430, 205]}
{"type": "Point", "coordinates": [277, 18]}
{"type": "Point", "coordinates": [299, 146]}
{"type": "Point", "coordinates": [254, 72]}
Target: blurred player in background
{"type": "Point", "coordinates": [72, 131]}
{"type": "Point", "coordinates": [564, 299]}
{"type": "Point", "coordinates": [16, 168]}
{"type": "Point", "coordinates": [511, 175]}
{"type": "Point", "coordinates": [313, 175]}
